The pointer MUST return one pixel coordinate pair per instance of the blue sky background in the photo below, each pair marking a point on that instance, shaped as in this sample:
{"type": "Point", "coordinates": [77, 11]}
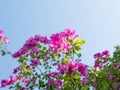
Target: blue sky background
{"type": "Point", "coordinates": [96, 21]}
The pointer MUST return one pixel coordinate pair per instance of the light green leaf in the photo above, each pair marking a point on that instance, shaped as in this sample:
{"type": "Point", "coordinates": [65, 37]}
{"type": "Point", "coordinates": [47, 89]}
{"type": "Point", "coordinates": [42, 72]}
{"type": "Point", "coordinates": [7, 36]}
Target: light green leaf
{"type": "Point", "coordinates": [66, 60]}
{"type": "Point", "coordinates": [79, 41]}
{"type": "Point", "coordinates": [76, 76]}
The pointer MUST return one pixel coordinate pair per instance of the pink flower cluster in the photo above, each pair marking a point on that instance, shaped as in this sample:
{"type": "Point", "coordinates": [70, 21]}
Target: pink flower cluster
{"type": "Point", "coordinates": [58, 41]}
{"type": "Point", "coordinates": [73, 67]}
{"type": "Point", "coordinates": [117, 65]}
{"type": "Point", "coordinates": [13, 80]}
{"type": "Point", "coordinates": [111, 77]}
{"type": "Point", "coordinates": [5, 83]}
{"type": "Point", "coordinates": [31, 43]}
{"type": "Point", "coordinates": [35, 62]}
{"type": "Point", "coordinates": [16, 70]}
{"type": "Point", "coordinates": [35, 51]}
{"type": "Point", "coordinates": [17, 77]}
{"type": "Point", "coordinates": [105, 53]}
{"type": "Point", "coordinates": [116, 86]}
{"type": "Point", "coordinates": [57, 83]}
{"type": "Point", "coordinates": [4, 38]}
{"type": "Point", "coordinates": [101, 58]}
{"type": "Point", "coordinates": [53, 74]}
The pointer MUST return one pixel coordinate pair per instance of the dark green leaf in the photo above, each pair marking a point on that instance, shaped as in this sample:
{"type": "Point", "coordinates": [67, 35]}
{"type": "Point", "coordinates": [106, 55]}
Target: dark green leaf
{"type": "Point", "coordinates": [3, 52]}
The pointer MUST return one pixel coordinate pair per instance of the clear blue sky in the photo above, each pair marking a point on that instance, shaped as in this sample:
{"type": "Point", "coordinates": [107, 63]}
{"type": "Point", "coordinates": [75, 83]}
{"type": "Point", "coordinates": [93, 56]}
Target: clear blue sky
{"type": "Point", "coordinates": [96, 21]}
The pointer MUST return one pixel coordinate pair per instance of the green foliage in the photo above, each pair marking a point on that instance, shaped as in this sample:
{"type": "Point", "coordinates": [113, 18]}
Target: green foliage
{"type": "Point", "coordinates": [3, 52]}
{"type": "Point", "coordinates": [76, 76]}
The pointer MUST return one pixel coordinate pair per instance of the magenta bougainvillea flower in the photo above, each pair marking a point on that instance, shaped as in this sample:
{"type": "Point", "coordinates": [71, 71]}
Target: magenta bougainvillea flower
{"type": "Point", "coordinates": [58, 83]}
{"type": "Point", "coordinates": [53, 74]}
{"type": "Point", "coordinates": [3, 38]}
{"type": "Point", "coordinates": [31, 43]}
{"type": "Point", "coordinates": [24, 80]}
{"type": "Point", "coordinates": [58, 41]}
{"type": "Point", "coordinates": [4, 83]}
{"type": "Point", "coordinates": [72, 67]}
{"type": "Point", "coordinates": [1, 34]}
{"type": "Point", "coordinates": [35, 62]}
{"type": "Point", "coordinates": [50, 82]}
{"type": "Point", "coordinates": [84, 81]}
{"type": "Point", "coordinates": [10, 81]}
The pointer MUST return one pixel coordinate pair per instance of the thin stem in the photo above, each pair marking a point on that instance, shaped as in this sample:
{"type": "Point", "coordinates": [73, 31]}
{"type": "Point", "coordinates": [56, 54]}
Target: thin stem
{"type": "Point", "coordinates": [39, 70]}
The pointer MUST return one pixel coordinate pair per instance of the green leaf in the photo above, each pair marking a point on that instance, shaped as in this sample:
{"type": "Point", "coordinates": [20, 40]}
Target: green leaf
{"type": "Point", "coordinates": [67, 77]}
{"type": "Point", "coordinates": [44, 48]}
{"type": "Point", "coordinates": [76, 76]}
{"type": "Point", "coordinates": [11, 87]}
{"type": "Point", "coordinates": [65, 60]}
{"type": "Point", "coordinates": [3, 52]}
{"type": "Point", "coordinates": [42, 52]}
{"type": "Point", "coordinates": [41, 83]}
{"type": "Point", "coordinates": [38, 45]}
{"type": "Point", "coordinates": [67, 87]}
{"type": "Point", "coordinates": [1, 43]}
{"type": "Point", "coordinates": [55, 55]}
{"type": "Point", "coordinates": [33, 55]}
{"type": "Point", "coordinates": [60, 77]}
{"type": "Point", "coordinates": [18, 85]}
{"type": "Point", "coordinates": [79, 55]}
{"type": "Point", "coordinates": [77, 48]}
{"type": "Point", "coordinates": [24, 67]}
{"type": "Point", "coordinates": [29, 71]}
{"type": "Point", "coordinates": [79, 41]}
{"type": "Point", "coordinates": [105, 84]}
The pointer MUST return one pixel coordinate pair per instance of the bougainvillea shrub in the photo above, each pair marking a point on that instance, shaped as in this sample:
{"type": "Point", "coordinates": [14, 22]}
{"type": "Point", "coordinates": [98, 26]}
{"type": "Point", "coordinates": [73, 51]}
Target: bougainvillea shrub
{"type": "Point", "coordinates": [54, 63]}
